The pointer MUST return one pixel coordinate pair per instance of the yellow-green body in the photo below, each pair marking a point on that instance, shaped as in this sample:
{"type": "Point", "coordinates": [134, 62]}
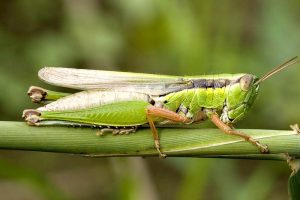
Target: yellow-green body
{"type": "Point", "coordinates": [118, 102]}
{"type": "Point", "coordinates": [222, 94]}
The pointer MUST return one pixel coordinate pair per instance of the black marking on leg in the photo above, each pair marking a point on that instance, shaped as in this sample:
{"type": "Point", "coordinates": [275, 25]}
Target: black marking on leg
{"type": "Point", "coordinates": [152, 102]}
{"type": "Point", "coordinates": [182, 109]}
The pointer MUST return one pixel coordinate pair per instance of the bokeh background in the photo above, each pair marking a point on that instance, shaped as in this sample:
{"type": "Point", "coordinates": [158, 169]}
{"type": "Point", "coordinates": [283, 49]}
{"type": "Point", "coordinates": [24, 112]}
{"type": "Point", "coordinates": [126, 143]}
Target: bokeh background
{"type": "Point", "coordinates": [150, 36]}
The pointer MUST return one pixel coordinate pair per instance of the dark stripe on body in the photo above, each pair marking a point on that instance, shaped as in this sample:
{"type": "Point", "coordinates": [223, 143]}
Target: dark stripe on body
{"type": "Point", "coordinates": [210, 83]}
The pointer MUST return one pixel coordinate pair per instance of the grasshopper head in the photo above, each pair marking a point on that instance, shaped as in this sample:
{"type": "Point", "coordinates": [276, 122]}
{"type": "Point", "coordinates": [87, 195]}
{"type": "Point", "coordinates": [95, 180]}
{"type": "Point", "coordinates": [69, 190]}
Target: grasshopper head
{"type": "Point", "coordinates": [243, 91]}
{"type": "Point", "coordinates": [241, 95]}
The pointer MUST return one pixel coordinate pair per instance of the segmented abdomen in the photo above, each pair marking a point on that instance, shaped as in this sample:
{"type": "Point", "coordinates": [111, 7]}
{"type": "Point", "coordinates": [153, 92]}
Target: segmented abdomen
{"type": "Point", "coordinates": [195, 99]}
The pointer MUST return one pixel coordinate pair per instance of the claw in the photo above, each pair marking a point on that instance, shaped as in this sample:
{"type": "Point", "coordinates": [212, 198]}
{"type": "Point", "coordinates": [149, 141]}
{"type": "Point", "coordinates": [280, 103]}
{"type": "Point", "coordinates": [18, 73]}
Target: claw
{"type": "Point", "coordinates": [157, 146]}
{"type": "Point", "coordinates": [264, 148]}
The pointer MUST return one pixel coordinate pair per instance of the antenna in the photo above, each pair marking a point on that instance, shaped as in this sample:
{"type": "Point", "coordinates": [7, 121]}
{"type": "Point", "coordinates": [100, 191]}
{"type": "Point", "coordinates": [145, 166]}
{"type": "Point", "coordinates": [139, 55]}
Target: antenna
{"type": "Point", "coordinates": [278, 69]}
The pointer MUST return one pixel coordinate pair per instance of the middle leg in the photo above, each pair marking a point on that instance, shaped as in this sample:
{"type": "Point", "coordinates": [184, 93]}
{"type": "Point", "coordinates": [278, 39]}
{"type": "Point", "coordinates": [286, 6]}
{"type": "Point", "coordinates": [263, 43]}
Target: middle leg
{"type": "Point", "coordinates": [229, 130]}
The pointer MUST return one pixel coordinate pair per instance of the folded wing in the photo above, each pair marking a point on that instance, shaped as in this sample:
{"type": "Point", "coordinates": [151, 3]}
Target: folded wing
{"type": "Point", "coordinates": [84, 79]}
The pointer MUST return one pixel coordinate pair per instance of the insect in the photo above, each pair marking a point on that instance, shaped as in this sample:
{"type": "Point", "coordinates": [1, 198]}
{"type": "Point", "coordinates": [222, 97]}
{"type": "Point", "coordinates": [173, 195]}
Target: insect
{"type": "Point", "coordinates": [119, 102]}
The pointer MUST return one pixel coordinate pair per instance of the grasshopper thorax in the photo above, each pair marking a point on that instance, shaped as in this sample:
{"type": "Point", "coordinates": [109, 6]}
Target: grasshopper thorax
{"type": "Point", "coordinates": [240, 97]}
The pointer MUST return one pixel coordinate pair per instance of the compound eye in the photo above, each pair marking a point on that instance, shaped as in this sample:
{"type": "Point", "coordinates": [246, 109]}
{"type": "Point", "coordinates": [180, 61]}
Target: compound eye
{"type": "Point", "coordinates": [246, 82]}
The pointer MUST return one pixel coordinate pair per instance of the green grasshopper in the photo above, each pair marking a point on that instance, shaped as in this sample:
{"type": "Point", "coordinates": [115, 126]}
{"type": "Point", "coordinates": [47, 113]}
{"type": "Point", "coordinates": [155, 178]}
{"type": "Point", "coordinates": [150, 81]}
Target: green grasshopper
{"type": "Point", "coordinates": [119, 102]}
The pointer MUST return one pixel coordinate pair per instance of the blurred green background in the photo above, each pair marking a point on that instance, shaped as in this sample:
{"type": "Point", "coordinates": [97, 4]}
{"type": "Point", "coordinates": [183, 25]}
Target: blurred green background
{"type": "Point", "coordinates": [165, 37]}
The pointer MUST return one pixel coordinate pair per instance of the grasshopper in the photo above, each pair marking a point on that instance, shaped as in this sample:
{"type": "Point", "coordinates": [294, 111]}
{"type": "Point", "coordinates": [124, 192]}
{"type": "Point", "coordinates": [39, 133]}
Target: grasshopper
{"type": "Point", "coordinates": [119, 102]}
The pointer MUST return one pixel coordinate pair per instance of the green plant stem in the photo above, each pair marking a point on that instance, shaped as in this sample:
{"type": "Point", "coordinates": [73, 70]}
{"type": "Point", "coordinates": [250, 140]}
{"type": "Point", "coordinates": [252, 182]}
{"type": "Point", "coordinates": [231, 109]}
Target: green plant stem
{"type": "Point", "coordinates": [175, 142]}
